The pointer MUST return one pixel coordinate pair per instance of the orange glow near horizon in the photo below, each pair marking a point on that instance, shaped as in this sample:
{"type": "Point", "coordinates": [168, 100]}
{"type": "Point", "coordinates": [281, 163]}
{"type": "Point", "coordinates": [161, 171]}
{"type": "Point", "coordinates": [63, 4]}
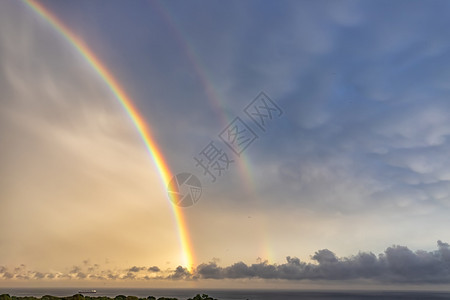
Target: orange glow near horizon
{"type": "Point", "coordinates": [133, 113]}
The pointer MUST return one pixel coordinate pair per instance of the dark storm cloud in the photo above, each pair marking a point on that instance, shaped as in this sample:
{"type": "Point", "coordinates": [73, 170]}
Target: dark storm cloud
{"type": "Point", "coordinates": [397, 264]}
{"type": "Point", "coordinates": [325, 256]}
{"type": "Point", "coordinates": [180, 273]}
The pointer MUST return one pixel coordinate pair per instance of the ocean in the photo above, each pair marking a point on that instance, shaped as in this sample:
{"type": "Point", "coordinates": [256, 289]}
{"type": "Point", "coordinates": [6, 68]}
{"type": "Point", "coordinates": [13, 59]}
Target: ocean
{"type": "Point", "coordinates": [183, 294]}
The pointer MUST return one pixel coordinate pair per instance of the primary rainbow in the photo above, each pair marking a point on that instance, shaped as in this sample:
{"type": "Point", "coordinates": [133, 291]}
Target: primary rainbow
{"type": "Point", "coordinates": [132, 112]}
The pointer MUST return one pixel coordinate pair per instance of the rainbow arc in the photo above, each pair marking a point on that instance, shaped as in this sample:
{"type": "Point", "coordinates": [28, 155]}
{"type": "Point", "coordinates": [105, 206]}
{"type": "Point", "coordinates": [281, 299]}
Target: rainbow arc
{"type": "Point", "coordinates": [128, 105]}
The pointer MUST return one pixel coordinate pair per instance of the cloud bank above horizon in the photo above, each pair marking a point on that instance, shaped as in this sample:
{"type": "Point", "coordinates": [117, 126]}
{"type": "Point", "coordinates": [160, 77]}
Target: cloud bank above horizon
{"type": "Point", "coordinates": [396, 265]}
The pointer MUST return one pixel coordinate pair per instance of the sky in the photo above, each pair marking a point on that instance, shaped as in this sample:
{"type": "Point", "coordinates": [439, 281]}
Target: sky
{"type": "Point", "coordinates": [346, 181]}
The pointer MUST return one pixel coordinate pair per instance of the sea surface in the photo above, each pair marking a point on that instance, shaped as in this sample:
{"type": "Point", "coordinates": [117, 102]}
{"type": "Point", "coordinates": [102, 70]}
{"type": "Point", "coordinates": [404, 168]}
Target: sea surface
{"type": "Point", "coordinates": [183, 294]}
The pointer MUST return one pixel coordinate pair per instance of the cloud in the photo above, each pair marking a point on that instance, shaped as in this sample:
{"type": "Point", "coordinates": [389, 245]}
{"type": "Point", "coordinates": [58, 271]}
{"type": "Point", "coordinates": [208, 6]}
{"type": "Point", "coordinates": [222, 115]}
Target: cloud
{"type": "Point", "coordinates": [129, 275]}
{"type": "Point", "coordinates": [75, 270]}
{"type": "Point", "coordinates": [397, 264]}
{"type": "Point", "coordinates": [154, 269]}
{"type": "Point", "coordinates": [180, 273]}
{"type": "Point", "coordinates": [136, 269]}
{"type": "Point", "coordinates": [39, 275]}
{"type": "Point", "coordinates": [94, 267]}
{"type": "Point", "coordinates": [325, 257]}
{"type": "Point", "coordinates": [353, 108]}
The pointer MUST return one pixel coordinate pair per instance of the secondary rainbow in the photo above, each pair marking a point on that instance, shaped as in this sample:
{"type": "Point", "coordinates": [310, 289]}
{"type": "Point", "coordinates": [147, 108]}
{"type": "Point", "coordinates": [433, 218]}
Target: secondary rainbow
{"type": "Point", "coordinates": [133, 113]}
{"type": "Point", "coordinates": [211, 92]}
{"type": "Point", "coordinates": [216, 100]}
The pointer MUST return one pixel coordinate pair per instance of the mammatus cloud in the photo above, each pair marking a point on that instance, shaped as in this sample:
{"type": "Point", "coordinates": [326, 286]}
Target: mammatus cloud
{"type": "Point", "coordinates": [397, 264]}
